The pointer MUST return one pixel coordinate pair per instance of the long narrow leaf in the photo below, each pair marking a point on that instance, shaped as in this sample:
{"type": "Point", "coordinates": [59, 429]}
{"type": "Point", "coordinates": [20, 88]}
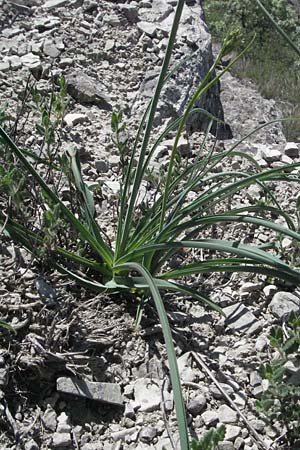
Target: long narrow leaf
{"type": "Point", "coordinates": [139, 168]}
{"type": "Point", "coordinates": [174, 373]}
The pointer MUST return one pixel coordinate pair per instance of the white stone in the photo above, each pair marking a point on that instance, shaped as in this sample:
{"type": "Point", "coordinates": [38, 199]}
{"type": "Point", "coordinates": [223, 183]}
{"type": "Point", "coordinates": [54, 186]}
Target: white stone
{"type": "Point", "coordinates": [4, 66]}
{"type": "Point", "coordinates": [73, 119]}
{"type": "Point", "coordinates": [147, 393]}
{"type": "Point", "coordinates": [286, 243]}
{"type": "Point", "coordinates": [61, 440]}
{"type": "Point", "coordinates": [250, 287]}
{"type": "Point", "coordinates": [148, 28]}
{"type": "Point", "coordinates": [283, 303]}
{"type": "Point", "coordinates": [52, 4]}
{"type": "Point", "coordinates": [50, 49]}
{"type": "Point", "coordinates": [232, 432]}
{"type": "Point", "coordinates": [261, 343]}
{"type": "Point", "coordinates": [109, 45]}
{"type": "Point", "coordinates": [113, 186]}
{"type": "Point", "coordinates": [210, 417]}
{"type": "Point", "coordinates": [271, 155]}
{"type": "Point", "coordinates": [227, 415]}
{"type": "Point", "coordinates": [49, 418]}
{"type": "Point", "coordinates": [31, 61]}
{"type": "Point", "coordinates": [269, 290]}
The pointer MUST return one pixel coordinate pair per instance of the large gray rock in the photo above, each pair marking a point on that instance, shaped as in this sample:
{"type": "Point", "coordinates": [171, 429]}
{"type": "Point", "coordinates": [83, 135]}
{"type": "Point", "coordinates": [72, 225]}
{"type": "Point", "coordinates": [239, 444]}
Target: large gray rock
{"type": "Point", "coordinates": [192, 37]}
{"type": "Point", "coordinates": [86, 89]}
{"type": "Point", "coordinates": [245, 109]}
{"type": "Point", "coordinates": [102, 392]}
{"type": "Point", "coordinates": [283, 303]}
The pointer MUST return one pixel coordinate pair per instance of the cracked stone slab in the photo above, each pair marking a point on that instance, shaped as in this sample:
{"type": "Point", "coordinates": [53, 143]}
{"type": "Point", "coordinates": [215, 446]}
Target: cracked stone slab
{"type": "Point", "coordinates": [240, 318]}
{"type": "Point", "coordinates": [109, 393]}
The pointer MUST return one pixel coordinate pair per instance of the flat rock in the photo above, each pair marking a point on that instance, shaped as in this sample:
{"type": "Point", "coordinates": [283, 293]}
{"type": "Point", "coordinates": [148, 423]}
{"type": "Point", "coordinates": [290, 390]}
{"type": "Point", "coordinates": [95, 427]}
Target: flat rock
{"type": "Point", "coordinates": [46, 23]}
{"type": "Point", "coordinates": [240, 318]}
{"type": "Point", "coordinates": [249, 287]}
{"type": "Point", "coordinates": [227, 415]}
{"type": "Point", "coordinates": [86, 89]}
{"type": "Point", "coordinates": [232, 432]}
{"type": "Point", "coordinates": [147, 393]}
{"type": "Point", "coordinates": [157, 12]}
{"type": "Point", "coordinates": [31, 61]}
{"type": "Point", "coordinates": [283, 303]}
{"type": "Point", "coordinates": [52, 4]}
{"type": "Point", "coordinates": [226, 445]}
{"type": "Point", "coordinates": [210, 417]}
{"type": "Point", "coordinates": [73, 119]}
{"type": "Point", "coordinates": [101, 392]}
{"type": "Point", "coordinates": [148, 28]}
{"type": "Point", "coordinates": [14, 62]}
{"type": "Point", "coordinates": [4, 66]}
{"type": "Point", "coordinates": [61, 440]}
{"type": "Point", "coordinates": [271, 155]}
{"type": "Point", "coordinates": [183, 146]}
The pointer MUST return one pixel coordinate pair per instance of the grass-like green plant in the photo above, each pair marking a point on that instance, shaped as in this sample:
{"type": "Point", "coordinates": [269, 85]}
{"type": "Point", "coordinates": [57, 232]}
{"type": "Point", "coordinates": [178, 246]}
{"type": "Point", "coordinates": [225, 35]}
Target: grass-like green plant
{"type": "Point", "coordinates": [138, 260]}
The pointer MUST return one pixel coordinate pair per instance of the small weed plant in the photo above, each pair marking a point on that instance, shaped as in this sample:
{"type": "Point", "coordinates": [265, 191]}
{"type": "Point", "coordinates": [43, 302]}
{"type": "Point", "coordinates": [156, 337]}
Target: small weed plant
{"type": "Point", "coordinates": [66, 234]}
{"type": "Point", "coordinates": [280, 403]}
{"type": "Point", "coordinates": [210, 440]}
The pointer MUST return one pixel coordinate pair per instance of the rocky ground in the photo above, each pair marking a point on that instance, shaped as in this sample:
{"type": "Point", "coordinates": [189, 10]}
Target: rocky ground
{"type": "Point", "coordinates": [77, 374]}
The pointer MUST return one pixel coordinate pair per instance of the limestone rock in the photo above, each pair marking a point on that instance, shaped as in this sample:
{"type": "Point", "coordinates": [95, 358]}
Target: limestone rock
{"type": "Point", "coordinates": [232, 432]}
{"type": "Point", "coordinates": [192, 37]}
{"type": "Point", "coordinates": [86, 89]}
{"type": "Point", "coordinates": [50, 49]}
{"type": "Point", "coordinates": [240, 318]}
{"type": "Point", "coordinates": [102, 392]}
{"type": "Point", "coordinates": [227, 415]}
{"type": "Point", "coordinates": [210, 417]}
{"type": "Point", "coordinates": [4, 66]}
{"type": "Point", "coordinates": [52, 4]}
{"type": "Point", "coordinates": [31, 61]}
{"type": "Point", "coordinates": [283, 303]}
{"type": "Point", "coordinates": [147, 394]}
{"type": "Point", "coordinates": [61, 440]}
{"type": "Point", "coordinates": [147, 434]}
{"type": "Point", "coordinates": [73, 119]}
{"type": "Point", "coordinates": [148, 28]}
{"type": "Point", "coordinates": [49, 419]}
